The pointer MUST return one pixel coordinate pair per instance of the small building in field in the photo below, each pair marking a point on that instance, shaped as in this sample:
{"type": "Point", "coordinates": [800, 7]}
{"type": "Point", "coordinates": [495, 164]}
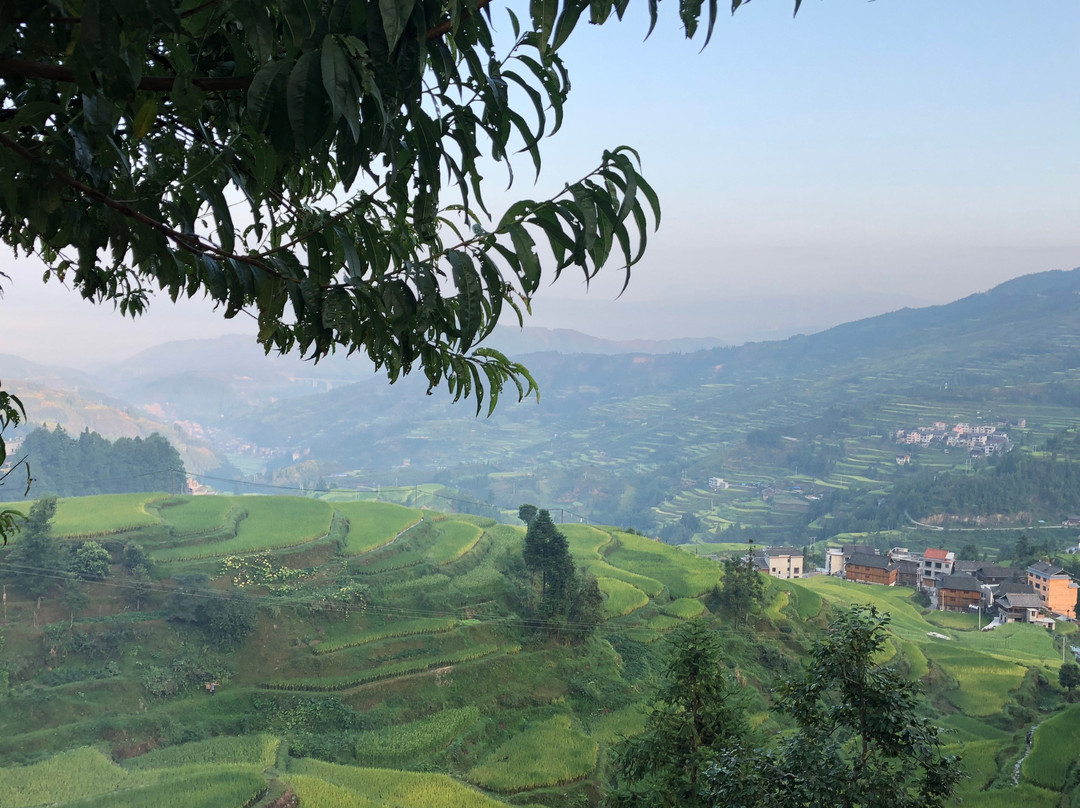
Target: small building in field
{"type": "Point", "coordinates": [1018, 607]}
{"type": "Point", "coordinates": [955, 593]}
{"type": "Point", "coordinates": [1055, 587]}
{"type": "Point", "coordinates": [871, 569]}
{"type": "Point", "coordinates": [834, 561]}
{"type": "Point", "coordinates": [781, 562]}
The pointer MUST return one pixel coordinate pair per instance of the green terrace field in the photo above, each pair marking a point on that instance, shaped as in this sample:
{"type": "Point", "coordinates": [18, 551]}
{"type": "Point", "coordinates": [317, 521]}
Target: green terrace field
{"type": "Point", "coordinates": [389, 663]}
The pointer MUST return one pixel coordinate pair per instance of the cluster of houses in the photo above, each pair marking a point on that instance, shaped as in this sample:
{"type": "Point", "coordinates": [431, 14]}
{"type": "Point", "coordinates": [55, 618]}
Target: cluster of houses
{"type": "Point", "coordinates": [980, 439]}
{"type": "Point", "coordinates": [1037, 594]}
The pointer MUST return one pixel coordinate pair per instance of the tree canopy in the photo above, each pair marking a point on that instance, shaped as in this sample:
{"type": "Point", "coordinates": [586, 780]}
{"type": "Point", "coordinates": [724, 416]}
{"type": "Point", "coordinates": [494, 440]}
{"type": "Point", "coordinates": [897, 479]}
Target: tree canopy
{"type": "Point", "coordinates": [315, 163]}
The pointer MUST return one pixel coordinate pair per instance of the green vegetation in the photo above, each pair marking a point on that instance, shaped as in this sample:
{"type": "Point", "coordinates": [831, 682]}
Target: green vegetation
{"type": "Point", "coordinates": [547, 753]}
{"type": "Point", "coordinates": [95, 517]}
{"type": "Point", "coordinates": [1055, 751]}
{"type": "Point", "coordinates": [620, 598]}
{"type": "Point", "coordinates": [269, 523]}
{"type": "Point", "coordinates": [386, 787]}
{"type": "Point", "coordinates": [407, 742]}
{"type": "Point", "coordinates": [374, 524]}
{"type": "Point", "coordinates": [683, 608]}
{"type": "Point", "coordinates": [438, 666]}
{"type": "Point", "coordinates": [194, 516]}
{"type": "Point", "coordinates": [455, 540]}
{"type": "Point", "coordinates": [255, 750]}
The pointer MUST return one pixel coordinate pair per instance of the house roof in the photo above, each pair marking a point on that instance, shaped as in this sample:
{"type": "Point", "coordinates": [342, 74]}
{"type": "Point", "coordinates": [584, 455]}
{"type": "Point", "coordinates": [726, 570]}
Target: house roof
{"type": "Point", "coordinates": [936, 555]}
{"type": "Point", "coordinates": [1042, 568]}
{"type": "Point", "coordinates": [782, 551]}
{"type": "Point", "coordinates": [1020, 600]}
{"type": "Point", "coordinates": [961, 583]}
{"type": "Point", "coordinates": [967, 566]}
{"type": "Point", "coordinates": [996, 572]}
{"type": "Point", "coordinates": [1013, 587]}
{"type": "Point", "coordinates": [873, 561]}
{"type": "Point", "coordinates": [852, 549]}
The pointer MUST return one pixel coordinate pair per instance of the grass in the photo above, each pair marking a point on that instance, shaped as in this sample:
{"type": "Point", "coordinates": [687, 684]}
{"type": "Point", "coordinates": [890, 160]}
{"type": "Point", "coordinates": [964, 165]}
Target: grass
{"type": "Point", "coordinates": [94, 517]}
{"type": "Point", "coordinates": [85, 778]}
{"type": "Point", "coordinates": [271, 523]}
{"type": "Point", "coordinates": [390, 671]}
{"type": "Point", "coordinates": [1056, 747]}
{"type": "Point", "coordinates": [374, 524]}
{"type": "Point", "coordinates": [683, 608]}
{"type": "Point", "coordinates": [190, 787]}
{"type": "Point", "coordinates": [455, 540]}
{"type": "Point", "coordinates": [618, 724]}
{"type": "Point", "coordinates": [192, 516]}
{"type": "Point", "coordinates": [545, 754]}
{"type": "Point", "coordinates": [620, 598]}
{"type": "Point", "coordinates": [685, 575]}
{"type": "Point", "coordinates": [984, 682]}
{"type": "Point", "coordinates": [405, 743]}
{"type": "Point", "coordinates": [400, 628]}
{"type": "Point", "coordinates": [385, 787]}
{"type": "Point", "coordinates": [255, 750]}
{"type": "Point", "coordinates": [980, 764]}
{"type": "Point", "coordinates": [59, 779]}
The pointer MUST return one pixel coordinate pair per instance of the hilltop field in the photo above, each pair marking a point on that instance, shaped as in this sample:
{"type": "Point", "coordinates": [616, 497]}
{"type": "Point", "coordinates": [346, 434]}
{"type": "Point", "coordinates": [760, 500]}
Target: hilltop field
{"type": "Point", "coordinates": [371, 654]}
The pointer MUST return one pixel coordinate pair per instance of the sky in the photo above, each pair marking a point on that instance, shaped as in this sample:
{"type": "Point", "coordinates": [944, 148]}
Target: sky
{"type": "Point", "coordinates": [861, 157]}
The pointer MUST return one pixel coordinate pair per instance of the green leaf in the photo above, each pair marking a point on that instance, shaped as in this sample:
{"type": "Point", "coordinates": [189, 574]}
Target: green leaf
{"type": "Point", "coordinates": [395, 16]}
{"type": "Point", "coordinates": [306, 101]}
{"type": "Point", "coordinates": [264, 94]}
{"type": "Point", "coordinates": [341, 85]}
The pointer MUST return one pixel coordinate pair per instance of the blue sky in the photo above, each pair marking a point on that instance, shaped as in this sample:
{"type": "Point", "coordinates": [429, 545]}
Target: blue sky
{"type": "Point", "coordinates": [861, 157]}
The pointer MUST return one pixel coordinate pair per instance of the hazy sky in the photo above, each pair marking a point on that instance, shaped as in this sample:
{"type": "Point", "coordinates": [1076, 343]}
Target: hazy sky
{"type": "Point", "coordinates": [859, 158]}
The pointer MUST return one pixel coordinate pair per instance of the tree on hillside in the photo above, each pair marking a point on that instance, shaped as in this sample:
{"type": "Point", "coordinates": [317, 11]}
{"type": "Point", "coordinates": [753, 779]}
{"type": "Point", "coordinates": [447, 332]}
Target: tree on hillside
{"type": "Point", "coordinates": [526, 513]}
{"type": "Point", "coordinates": [741, 591]}
{"type": "Point", "coordinates": [36, 559]}
{"type": "Point", "coordinates": [546, 553]}
{"type": "Point", "coordinates": [1069, 677]}
{"type": "Point", "coordinates": [860, 741]}
{"type": "Point", "coordinates": [696, 713]}
{"type": "Point", "coordinates": [91, 562]}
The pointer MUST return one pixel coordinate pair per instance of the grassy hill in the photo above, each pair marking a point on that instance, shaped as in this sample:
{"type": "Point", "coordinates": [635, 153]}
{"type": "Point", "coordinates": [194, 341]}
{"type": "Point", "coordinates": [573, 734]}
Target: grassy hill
{"type": "Point", "coordinates": [430, 688]}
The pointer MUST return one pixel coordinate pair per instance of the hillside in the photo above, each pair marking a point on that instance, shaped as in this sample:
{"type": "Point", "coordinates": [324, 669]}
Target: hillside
{"type": "Point", "coordinates": [613, 438]}
{"type": "Point", "coordinates": [388, 662]}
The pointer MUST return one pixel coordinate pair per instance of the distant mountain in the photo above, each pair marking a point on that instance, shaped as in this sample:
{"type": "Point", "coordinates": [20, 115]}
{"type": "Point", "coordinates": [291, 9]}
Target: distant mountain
{"type": "Point", "coordinates": [529, 340]}
{"type": "Point", "coordinates": [634, 411]}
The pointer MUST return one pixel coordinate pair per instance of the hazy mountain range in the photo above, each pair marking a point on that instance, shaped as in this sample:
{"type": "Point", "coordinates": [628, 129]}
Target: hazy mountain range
{"type": "Point", "coordinates": [225, 392]}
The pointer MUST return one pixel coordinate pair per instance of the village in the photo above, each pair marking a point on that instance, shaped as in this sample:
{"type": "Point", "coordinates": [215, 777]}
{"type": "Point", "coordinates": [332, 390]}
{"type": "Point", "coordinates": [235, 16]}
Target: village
{"type": "Point", "coordinates": [1042, 593]}
{"type": "Point", "coordinates": [979, 439]}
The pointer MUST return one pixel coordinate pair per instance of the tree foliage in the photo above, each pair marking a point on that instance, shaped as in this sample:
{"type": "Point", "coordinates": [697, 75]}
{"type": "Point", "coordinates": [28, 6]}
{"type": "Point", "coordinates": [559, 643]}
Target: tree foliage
{"type": "Point", "coordinates": [697, 712]}
{"type": "Point", "coordinates": [90, 464]}
{"type": "Point", "coordinates": [12, 412]}
{"type": "Point", "coordinates": [1069, 676]}
{"type": "Point", "coordinates": [36, 559]}
{"type": "Point", "coordinates": [567, 601]}
{"type": "Point", "coordinates": [860, 742]}
{"type": "Point", "coordinates": [316, 164]}
{"type": "Point", "coordinates": [91, 562]}
{"type": "Point", "coordinates": [741, 590]}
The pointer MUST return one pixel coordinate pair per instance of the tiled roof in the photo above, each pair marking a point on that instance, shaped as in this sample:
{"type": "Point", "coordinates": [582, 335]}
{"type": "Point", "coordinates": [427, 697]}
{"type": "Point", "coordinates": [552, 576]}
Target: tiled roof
{"type": "Point", "coordinates": [1043, 568]}
{"type": "Point", "coordinates": [963, 583]}
{"type": "Point", "coordinates": [936, 555]}
{"type": "Point", "coordinates": [1020, 600]}
{"type": "Point", "coordinates": [873, 561]}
